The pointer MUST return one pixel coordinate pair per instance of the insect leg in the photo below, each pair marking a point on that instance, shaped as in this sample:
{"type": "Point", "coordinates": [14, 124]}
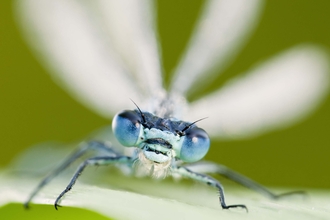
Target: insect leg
{"type": "Point", "coordinates": [209, 167]}
{"type": "Point", "coordinates": [86, 146]}
{"type": "Point", "coordinates": [95, 161]}
{"type": "Point", "coordinates": [209, 181]}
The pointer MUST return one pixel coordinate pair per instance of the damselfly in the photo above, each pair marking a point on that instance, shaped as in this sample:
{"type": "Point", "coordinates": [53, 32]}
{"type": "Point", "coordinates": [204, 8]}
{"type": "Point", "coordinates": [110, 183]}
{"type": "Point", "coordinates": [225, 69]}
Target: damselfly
{"type": "Point", "coordinates": [107, 51]}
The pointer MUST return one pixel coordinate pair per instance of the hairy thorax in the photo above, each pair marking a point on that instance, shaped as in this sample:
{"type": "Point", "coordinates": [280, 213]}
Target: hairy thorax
{"type": "Point", "coordinates": [145, 167]}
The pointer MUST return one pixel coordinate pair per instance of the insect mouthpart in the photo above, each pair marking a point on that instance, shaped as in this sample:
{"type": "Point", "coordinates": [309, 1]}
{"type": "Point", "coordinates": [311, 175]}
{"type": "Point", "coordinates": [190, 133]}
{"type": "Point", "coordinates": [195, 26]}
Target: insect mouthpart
{"type": "Point", "coordinates": [159, 141]}
{"type": "Point", "coordinates": [157, 150]}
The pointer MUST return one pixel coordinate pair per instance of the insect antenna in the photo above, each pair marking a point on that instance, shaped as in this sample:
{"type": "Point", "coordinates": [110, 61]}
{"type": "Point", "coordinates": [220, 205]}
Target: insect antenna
{"type": "Point", "coordinates": [188, 126]}
{"type": "Point", "coordinates": [141, 113]}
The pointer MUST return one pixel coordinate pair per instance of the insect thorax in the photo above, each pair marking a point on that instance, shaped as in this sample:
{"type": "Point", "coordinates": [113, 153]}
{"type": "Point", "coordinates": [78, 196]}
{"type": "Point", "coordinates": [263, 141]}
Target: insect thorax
{"type": "Point", "coordinates": [145, 167]}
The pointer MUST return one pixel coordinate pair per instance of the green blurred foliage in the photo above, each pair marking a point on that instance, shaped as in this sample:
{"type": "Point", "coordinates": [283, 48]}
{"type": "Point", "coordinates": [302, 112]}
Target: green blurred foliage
{"type": "Point", "coordinates": [41, 212]}
{"type": "Point", "coordinates": [34, 109]}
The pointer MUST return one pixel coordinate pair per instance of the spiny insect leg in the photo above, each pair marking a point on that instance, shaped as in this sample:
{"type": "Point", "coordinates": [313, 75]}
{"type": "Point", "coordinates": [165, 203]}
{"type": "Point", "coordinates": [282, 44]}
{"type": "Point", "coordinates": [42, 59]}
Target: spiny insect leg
{"type": "Point", "coordinates": [95, 161]}
{"type": "Point", "coordinates": [209, 167]}
{"type": "Point", "coordinates": [209, 181]}
{"type": "Point", "coordinates": [85, 147]}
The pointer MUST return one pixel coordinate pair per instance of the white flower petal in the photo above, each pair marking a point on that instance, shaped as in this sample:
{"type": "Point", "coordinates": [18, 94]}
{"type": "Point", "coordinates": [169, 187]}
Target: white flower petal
{"type": "Point", "coordinates": [273, 95]}
{"type": "Point", "coordinates": [130, 26]}
{"type": "Point", "coordinates": [219, 35]}
{"type": "Point", "coordinates": [71, 39]}
{"type": "Point", "coordinates": [122, 197]}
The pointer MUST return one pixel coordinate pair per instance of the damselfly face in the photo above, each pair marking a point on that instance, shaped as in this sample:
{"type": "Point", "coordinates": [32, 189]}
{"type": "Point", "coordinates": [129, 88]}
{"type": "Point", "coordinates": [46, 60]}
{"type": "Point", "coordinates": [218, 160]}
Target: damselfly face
{"type": "Point", "coordinates": [161, 141]}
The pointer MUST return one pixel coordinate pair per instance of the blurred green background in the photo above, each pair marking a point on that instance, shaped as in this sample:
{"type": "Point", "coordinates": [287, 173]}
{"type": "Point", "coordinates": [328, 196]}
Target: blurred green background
{"type": "Point", "coordinates": [34, 109]}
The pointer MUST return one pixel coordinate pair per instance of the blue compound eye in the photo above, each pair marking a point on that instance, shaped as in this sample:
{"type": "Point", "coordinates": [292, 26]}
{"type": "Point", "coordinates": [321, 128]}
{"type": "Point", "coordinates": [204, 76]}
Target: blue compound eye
{"type": "Point", "coordinates": [195, 145]}
{"type": "Point", "coordinates": [126, 126]}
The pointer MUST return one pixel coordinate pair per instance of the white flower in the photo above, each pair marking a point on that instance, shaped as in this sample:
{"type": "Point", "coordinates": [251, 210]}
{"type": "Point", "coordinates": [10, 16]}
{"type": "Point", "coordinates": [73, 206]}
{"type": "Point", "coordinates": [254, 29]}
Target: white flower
{"type": "Point", "coordinates": [104, 52]}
